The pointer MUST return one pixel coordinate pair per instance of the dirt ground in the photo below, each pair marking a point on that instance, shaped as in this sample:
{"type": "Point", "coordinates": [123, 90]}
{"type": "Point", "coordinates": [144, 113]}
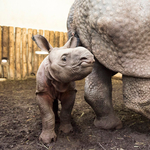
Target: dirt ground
{"type": "Point", "coordinates": [20, 122]}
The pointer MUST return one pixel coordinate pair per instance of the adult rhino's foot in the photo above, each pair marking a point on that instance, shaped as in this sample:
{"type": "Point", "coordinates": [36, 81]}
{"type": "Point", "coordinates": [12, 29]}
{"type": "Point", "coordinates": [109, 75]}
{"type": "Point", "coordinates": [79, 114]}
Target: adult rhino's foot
{"type": "Point", "coordinates": [136, 94]}
{"type": "Point", "coordinates": [108, 122]}
{"type": "Point", "coordinates": [66, 128]}
{"type": "Point", "coordinates": [48, 136]}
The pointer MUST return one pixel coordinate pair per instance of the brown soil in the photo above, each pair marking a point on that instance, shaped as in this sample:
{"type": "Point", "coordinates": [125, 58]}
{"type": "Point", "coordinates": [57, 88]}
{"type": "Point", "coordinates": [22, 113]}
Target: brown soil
{"type": "Point", "coordinates": [20, 122]}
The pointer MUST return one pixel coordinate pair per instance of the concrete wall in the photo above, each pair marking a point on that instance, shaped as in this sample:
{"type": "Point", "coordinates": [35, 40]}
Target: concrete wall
{"type": "Point", "coordinates": [37, 14]}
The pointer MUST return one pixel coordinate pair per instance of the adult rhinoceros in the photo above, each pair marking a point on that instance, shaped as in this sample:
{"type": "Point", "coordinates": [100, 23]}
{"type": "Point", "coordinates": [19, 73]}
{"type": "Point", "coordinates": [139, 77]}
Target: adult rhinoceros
{"type": "Point", "coordinates": [117, 32]}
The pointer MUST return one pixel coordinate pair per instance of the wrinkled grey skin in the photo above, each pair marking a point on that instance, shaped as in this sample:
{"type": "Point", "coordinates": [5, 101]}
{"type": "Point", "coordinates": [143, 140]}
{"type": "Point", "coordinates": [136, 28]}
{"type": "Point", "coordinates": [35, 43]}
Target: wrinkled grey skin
{"type": "Point", "coordinates": [117, 32]}
{"type": "Point", "coordinates": [55, 81]}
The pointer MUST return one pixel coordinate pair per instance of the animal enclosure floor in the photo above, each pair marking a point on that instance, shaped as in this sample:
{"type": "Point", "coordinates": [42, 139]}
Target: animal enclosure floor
{"type": "Point", "coordinates": [20, 122]}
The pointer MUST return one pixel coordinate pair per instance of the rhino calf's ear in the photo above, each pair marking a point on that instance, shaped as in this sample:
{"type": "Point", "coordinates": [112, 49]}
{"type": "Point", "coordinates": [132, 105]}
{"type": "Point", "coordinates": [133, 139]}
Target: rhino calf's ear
{"type": "Point", "coordinates": [72, 42]}
{"type": "Point", "coordinates": [42, 43]}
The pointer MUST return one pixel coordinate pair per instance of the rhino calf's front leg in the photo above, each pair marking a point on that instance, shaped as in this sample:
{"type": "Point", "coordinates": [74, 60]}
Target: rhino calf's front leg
{"type": "Point", "coordinates": [48, 118]}
{"type": "Point", "coordinates": [67, 102]}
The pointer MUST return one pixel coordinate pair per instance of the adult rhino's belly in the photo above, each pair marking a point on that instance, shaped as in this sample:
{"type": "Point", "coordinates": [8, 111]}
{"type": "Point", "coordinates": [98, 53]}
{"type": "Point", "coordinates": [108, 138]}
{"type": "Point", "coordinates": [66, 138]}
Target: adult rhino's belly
{"type": "Point", "coordinates": [121, 39]}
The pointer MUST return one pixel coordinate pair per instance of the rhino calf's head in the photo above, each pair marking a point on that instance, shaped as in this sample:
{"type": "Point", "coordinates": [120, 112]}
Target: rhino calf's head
{"type": "Point", "coordinates": [67, 63]}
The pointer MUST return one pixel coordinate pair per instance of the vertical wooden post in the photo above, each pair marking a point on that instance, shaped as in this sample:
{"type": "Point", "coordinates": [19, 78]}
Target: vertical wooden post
{"type": "Point", "coordinates": [46, 35]}
{"type": "Point", "coordinates": [41, 32]}
{"type": "Point", "coordinates": [66, 37]}
{"type": "Point", "coordinates": [29, 52]}
{"type": "Point", "coordinates": [17, 50]}
{"type": "Point", "coordinates": [34, 56]}
{"type": "Point", "coordinates": [11, 54]}
{"type": "Point", "coordinates": [5, 43]}
{"type": "Point", "coordinates": [0, 51]}
{"type": "Point", "coordinates": [61, 39]}
{"type": "Point", "coordinates": [5, 51]}
{"type": "Point", "coordinates": [40, 57]}
{"type": "Point", "coordinates": [57, 38]}
{"type": "Point", "coordinates": [52, 38]}
{"type": "Point", "coordinates": [24, 54]}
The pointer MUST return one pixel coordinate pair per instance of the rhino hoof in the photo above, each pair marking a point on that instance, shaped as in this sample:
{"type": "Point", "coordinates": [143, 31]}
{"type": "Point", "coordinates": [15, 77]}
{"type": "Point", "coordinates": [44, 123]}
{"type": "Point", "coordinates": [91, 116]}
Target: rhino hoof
{"type": "Point", "coordinates": [108, 123]}
{"type": "Point", "coordinates": [66, 128]}
{"type": "Point", "coordinates": [48, 137]}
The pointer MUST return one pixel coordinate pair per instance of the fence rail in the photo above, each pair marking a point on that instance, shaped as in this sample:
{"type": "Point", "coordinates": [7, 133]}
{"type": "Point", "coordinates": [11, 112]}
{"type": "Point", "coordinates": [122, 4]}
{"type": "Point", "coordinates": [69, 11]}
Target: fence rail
{"type": "Point", "coordinates": [17, 47]}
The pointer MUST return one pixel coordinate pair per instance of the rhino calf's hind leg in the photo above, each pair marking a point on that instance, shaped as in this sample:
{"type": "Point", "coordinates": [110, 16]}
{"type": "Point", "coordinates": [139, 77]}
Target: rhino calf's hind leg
{"type": "Point", "coordinates": [136, 94]}
{"type": "Point", "coordinates": [48, 118]}
{"type": "Point", "coordinates": [67, 102]}
{"type": "Point", "coordinates": [98, 93]}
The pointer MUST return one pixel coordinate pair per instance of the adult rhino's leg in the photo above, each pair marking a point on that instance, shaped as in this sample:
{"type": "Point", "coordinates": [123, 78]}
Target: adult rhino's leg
{"type": "Point", "coordinates": [48, 118]}
{"type": "Point", "coordinates": [67, 102]}
{"type": "Point", "coordinates": [98, 93]}
{"type": "Point", "coordinates": [136, 94]}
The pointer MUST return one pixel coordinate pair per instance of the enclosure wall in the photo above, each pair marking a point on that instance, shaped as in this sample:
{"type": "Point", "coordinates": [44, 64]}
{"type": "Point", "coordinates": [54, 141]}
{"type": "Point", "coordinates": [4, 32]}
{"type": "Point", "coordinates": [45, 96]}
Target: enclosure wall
{"type": "Point", "coordinates": [18, 59]}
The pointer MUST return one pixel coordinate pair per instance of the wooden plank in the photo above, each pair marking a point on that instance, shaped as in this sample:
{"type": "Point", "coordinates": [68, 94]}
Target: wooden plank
{"type": "Point", "coordinates": [29, 61]}
{"type": "Point", "coordinates": [24, 54]}
{"type": "Point", "coordinates": [5, 43]}
{"type": "Point", "coordinates": [5, 70]}
{"type": "Point", "coordinates": [46, 35]}
{"type": "Point", "coordinates": [52, 38]}
{"type": "Point", "coordinates": [41, 32]}
{"type": "Point", "coordinates": [66, 37]}
{"type": "Point", "coordinates": [34, 56]}
{"type": "Point", "coordinates": [57, 34]}
{"type": "Point", "coordinates": [0, 51]}
{"type": "Point", "coordinates": [5, 51]}
{"type": "Point", "coordinates": [40, 57]}
{"type": "Point", "coordinates": [11, 54]}
{"type": "Point", "coordinates": [17, 51]}
{"type": "Point", "coordinates": [61, 39]}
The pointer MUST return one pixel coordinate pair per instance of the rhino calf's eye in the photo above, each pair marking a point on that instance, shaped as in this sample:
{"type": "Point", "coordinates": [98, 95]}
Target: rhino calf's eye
{"type": "Point", "coordinates": [64, 58]}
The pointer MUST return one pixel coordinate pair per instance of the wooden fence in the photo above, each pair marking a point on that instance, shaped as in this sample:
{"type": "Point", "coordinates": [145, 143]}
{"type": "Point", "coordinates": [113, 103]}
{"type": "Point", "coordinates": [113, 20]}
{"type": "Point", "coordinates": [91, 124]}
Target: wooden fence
{"type": "Point", "coordinates": [17, 47]}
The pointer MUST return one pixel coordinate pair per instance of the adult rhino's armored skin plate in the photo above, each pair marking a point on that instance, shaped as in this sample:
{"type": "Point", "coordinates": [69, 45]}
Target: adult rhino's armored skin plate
{"type": "Point", "coordinates": [117, 32]}
{"type": "Point", "coordinates": [55, 81]}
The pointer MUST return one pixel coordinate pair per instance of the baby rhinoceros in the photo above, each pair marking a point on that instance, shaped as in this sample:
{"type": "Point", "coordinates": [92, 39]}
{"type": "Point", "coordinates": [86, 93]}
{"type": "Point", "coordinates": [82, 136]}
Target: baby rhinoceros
{"type": "Point", "coordinates": [55, 81]}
